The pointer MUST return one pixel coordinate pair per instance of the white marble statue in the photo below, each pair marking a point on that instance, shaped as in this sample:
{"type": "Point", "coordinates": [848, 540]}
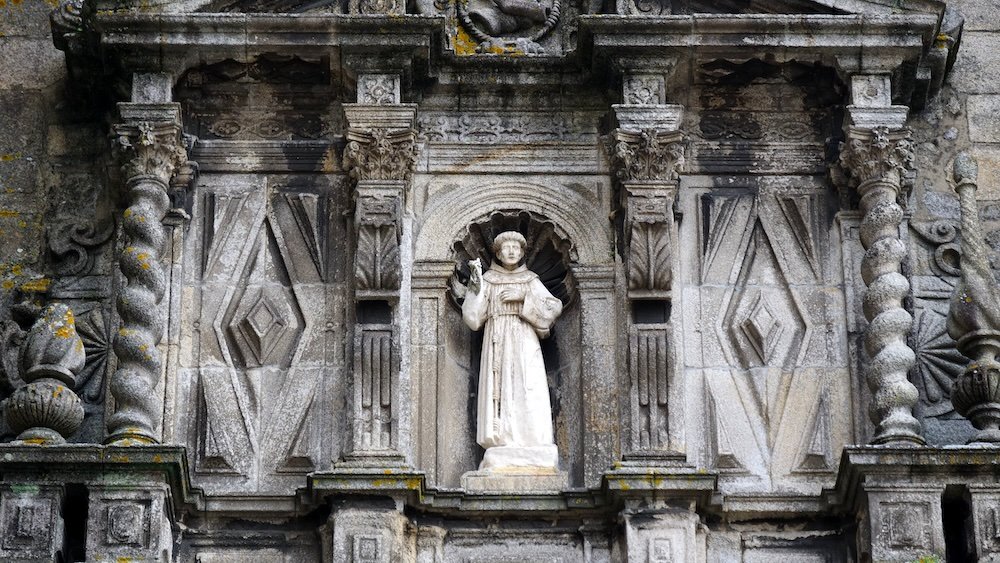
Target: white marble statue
{"type": "Point", "coordinates": [515, 417]}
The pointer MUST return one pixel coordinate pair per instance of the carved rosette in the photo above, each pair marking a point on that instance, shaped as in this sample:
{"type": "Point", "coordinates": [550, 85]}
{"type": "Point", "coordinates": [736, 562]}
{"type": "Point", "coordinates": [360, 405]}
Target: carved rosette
{"type": "Point", "coordinates": [151, 154]}
{"type": "Point", "coordinates": [974, 317]}
{"type": "Point", "coordinates": [46, 410]}
{"type": "Point", "coordinates": [380, 154]}
{"type": "Point", "coordinates": [879, 159]}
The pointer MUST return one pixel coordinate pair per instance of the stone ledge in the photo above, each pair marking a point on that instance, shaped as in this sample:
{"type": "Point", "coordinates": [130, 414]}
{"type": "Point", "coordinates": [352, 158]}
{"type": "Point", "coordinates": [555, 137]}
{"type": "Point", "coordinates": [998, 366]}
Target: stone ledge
{"type": "Point", "coordinates": [91, 463]}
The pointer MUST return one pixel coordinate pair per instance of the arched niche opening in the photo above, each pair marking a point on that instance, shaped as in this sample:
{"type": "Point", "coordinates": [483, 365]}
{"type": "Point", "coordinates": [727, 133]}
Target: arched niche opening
{"type": "Point", "coordinates": [449, 378]}
{"type": "Point", "coordinates": [549, 252]}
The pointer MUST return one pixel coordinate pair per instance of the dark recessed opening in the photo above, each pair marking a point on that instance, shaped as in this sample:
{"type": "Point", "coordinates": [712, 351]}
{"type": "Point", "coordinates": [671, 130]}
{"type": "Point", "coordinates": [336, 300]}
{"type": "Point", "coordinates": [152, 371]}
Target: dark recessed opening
{"type": "Point", "coordinates": [956, 517]}
{"type": "Point", "coordinates": [374, 312]}
{"type": "Point", "coordinates": [651, 312]}
{"type": "Point", "coordinates": [75, 508]}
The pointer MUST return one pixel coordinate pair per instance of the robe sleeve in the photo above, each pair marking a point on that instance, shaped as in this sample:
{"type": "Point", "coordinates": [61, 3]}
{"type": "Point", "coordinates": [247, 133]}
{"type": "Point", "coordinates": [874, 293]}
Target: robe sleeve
{"type": "Point", "coordinates": [540, 308]}
{"type": "Point", "coordinates": [475, 307]}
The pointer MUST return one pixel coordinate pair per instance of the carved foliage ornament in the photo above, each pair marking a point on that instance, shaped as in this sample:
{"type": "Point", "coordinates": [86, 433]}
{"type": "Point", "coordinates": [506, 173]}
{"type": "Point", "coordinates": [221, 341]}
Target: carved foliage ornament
{"type": "Point", "coordinates": [376, 264]}
{"type": "Point", "coordinates": [874, 154]}
{"type": "Point", "coordinates": [648, 155]}
{"type": "Point", "coordinates": [380, 154]}
{"type": "Point", "coordinates": [150, 149]}
{"type": "Point", "coordinates": [649, 241]}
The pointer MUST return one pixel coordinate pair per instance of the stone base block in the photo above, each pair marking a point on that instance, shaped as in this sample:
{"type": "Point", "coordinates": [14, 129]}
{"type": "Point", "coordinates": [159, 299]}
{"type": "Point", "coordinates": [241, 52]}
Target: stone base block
{"type": "Point", "coordinates": [525, 481]}
{"type": "Point", "coordinates": [499, 458]}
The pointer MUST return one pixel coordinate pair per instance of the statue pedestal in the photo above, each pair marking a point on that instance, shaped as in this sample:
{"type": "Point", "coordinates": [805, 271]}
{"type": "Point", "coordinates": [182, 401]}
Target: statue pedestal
{"type": "Point", "coordinates": [526, 480]}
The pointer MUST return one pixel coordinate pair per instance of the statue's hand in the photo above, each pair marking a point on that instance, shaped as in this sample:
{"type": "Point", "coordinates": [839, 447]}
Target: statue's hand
{"type": "Point", "coordinates": [475, 275]}
{"type": "Point", "coordinates": [509, 294]}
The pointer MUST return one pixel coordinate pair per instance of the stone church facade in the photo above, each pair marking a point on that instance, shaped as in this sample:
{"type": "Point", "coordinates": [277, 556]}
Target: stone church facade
{"type": "Point", "coordinates": [236, 235]}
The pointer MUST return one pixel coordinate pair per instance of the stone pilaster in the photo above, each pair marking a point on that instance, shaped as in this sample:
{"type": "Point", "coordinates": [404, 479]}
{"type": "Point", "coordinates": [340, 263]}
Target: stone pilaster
{"type": "Point", "coordinates": [647, 156]}
{"type": "Point", "coordinates": [598, 377]}
{"type": "Point", "coordinates": [878, 154]}
{"type": "Point", "coordinates": [380, 157]}
{"type": "Point", "coordinates": [148, 143]}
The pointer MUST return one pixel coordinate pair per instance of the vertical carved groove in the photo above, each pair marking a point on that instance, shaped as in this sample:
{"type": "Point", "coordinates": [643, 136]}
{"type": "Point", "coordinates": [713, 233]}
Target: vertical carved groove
{"type": "Point", "coordinates": [879, 158]}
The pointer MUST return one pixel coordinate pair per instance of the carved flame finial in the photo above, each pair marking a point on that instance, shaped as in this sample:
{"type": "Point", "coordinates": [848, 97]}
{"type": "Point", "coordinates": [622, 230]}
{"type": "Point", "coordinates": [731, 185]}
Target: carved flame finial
{"type": "Point", "coordinates": [974, 316]}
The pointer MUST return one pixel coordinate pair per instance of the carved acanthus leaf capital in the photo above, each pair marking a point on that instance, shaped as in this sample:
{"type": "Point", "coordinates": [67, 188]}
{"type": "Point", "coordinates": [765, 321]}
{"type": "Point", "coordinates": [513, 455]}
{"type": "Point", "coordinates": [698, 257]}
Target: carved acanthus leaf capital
{"type": "Point", "coordinates": [648, 155]}
{"type": "Point", "coordinates": [380, 154]}
{"type": "Point", "coordinates": [879, 153]}
{"type": "Point", "coordinates": [150, 149]}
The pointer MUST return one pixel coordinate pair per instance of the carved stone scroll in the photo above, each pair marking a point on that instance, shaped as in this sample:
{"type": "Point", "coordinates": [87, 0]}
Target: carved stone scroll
{"type": "Point", "coordinates": [151, 153]}
{"type": "Point", "coordinates": [878, 159]}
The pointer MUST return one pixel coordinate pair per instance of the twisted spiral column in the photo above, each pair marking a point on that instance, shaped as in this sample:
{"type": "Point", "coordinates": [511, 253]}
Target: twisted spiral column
{"type": "Point", "coordinates": [878, 158]}
{"type": "Point", "coordinates": [152, 155]}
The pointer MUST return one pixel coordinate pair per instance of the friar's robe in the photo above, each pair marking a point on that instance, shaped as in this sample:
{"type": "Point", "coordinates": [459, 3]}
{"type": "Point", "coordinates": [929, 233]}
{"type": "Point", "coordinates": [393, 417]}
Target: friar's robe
{"type": "Point", "coordinates": [514, 414]}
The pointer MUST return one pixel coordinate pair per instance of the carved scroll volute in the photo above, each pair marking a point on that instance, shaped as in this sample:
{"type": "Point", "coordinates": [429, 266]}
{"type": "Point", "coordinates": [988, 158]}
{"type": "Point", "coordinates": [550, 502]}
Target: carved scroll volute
{"type": "Point", "coordinates": [974, 317]}
{"type": "Point", "coordinates": [151, 154]}
{"type": "Point", "coordinates": [46, 410]}
{"type": "Point", "coordinates": [879, 159]}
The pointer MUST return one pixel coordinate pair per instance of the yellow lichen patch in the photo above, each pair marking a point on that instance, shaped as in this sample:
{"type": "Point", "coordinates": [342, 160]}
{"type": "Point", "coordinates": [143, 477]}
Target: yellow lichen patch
{"type": "Point", "coordinates": [8, 213]}
{"type": "Point", "coordinates": [17, 269]}
{"type": "Point", "coordinates": [34, 441]}
{"type": "Point", "coordinates": [11, 156]}
{"type": "Point", "coordinates": [40, 285]}
{"type": "Point", "coordinates": [7, 284]}
{"type": "Point", "coordinates": [57, 391]}
{"type": "Point", "coordinates": [463, 43]}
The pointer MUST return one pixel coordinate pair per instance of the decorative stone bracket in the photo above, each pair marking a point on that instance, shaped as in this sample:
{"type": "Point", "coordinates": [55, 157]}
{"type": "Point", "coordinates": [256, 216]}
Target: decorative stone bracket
{"type": "Point", "coordinates": [647, 163]}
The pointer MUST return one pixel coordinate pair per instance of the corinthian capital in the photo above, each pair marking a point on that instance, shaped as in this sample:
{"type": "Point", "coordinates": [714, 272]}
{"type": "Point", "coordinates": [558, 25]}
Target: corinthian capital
{"type": "Point", "coordinates": [879, 153]}
{"type": "Point", "coordinates": [648, 155]}
{"type": "Point", "coordinates": [150, 149]}
{"type": "Point", "coordinates": [380, 154]}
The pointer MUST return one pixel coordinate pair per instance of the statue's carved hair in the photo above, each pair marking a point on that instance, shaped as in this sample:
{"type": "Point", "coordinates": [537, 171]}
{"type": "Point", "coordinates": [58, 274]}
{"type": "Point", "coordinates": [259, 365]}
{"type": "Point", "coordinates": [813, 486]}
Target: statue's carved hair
{"type": "Point", "coordinates": [508, 236]}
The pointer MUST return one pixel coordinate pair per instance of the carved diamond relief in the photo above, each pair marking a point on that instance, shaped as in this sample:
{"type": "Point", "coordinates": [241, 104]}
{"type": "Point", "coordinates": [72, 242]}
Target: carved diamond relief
{"type": "Point", "coordinates": [264, 326]}
{"type": "Point", "coordinates": [762, 329]}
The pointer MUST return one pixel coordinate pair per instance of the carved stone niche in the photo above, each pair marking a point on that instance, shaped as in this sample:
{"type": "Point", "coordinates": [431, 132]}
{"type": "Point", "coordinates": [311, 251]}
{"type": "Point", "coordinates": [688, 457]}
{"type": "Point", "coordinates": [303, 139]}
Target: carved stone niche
{"type": "Point", "coordinates": [446, 354]}
{"type": "Point", "coordinates": [548, 253]}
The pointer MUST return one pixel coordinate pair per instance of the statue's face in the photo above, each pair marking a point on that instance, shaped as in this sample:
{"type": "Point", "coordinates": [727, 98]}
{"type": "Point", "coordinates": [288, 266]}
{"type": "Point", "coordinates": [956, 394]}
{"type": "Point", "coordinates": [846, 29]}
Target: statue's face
{"type": "Point", "coordinates": [510, 254]}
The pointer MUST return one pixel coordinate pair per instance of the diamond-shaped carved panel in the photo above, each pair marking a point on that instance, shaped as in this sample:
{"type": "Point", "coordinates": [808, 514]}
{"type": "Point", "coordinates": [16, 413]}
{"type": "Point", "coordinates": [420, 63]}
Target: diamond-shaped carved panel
{"type": "Point", "coordinates": [265, 326]}
{"type": "Point", "coordinates": [765, 326]}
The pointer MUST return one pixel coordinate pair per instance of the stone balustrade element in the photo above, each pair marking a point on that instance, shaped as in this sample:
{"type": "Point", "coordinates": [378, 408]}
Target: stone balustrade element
{"type": "Point", "coordinates": [878, 159]}
{"type": "Point", "coordinates": [974, 317]}
{"type": "Point", "coordinates": [46, 410]}
{"type": "Point", "coordinates": [151, 154]}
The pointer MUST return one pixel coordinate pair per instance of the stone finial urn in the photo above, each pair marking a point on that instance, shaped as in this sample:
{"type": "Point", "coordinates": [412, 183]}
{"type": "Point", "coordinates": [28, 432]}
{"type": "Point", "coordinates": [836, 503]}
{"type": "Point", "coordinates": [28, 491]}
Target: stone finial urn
{"type": "Point", "coordinates": [46, 410]}
{"type": "Point", "coordinates": [974, 317]}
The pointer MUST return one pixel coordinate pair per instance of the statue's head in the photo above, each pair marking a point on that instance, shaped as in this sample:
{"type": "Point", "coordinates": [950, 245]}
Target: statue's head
{"type": "Point", "coordinates": [509, 248]}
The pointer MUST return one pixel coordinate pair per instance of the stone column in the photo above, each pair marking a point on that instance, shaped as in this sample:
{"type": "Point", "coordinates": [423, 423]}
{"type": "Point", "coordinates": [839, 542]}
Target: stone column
{"type": "Point", "coordinates": [647, 156]}
{"type": "Point", "coordinates": [878, 154]}
{"type": "Point", "coordinates": [31, 522]}
{"type": "Point", "coordinates": [148, 142]}
{"type": "Point", "coordinates": [380, 158]}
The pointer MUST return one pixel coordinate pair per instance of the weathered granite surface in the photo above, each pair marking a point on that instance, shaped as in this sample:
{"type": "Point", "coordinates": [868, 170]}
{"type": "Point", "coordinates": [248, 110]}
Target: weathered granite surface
{"type": "Point", "coordinates": [241, 229]}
